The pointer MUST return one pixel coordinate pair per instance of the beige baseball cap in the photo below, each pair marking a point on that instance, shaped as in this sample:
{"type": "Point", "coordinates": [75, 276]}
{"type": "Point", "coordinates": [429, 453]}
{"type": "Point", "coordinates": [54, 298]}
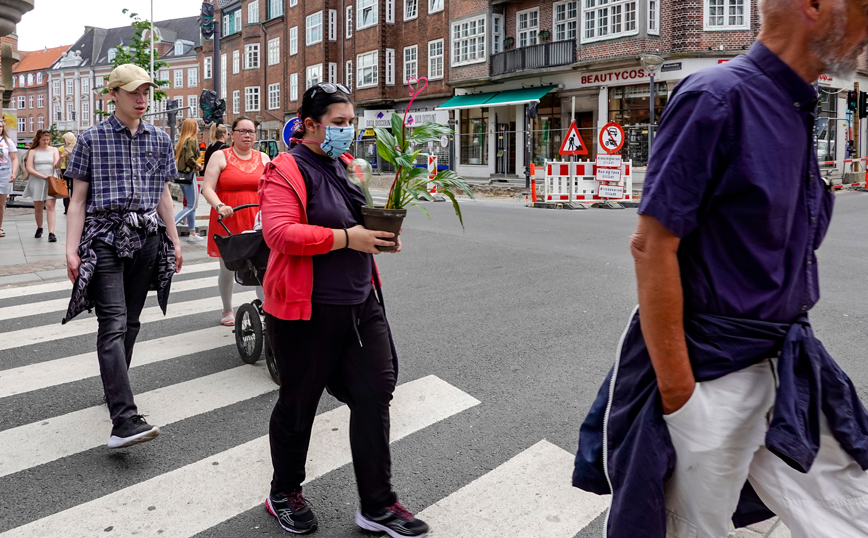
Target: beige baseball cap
{"type": "Point", "coordinates": [129, 77]}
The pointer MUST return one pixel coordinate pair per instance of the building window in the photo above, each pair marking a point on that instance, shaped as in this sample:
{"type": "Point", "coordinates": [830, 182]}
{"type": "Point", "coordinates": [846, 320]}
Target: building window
{"type": "Point", "coordinates": [367, 15]}
{"type": "Point", "coordinates": [100, 81]}
{"type": "Point", "coordinates": [496, 33]}
{"type": "Point", "coordinates": [349, 20]}
{"type": "Point", "coordinates": [32, 124]}
{"type": "Point", "coordinates": [333, 72]}
{"type": "Point", "coordinates": [164, 76]}
{"type": "Point", "coordinates": [468, 41]}
{"type": "Point", "coordinates": [179, 48]}
{"type": "Point", "coordinates": [293, 3]}
{"type": "Point", "coordinates": [232, 22]}
{"type": "Point", "coordinates": [192, 77]}
{"type": "Point", "coordinates": [314, 75]}
{"type": "Point", "coordinates": [527, 26]}
{"type": "Point", "coordinates": [566, 20]}
{"type": "Point", "coordinates": [30, 79]}
{"type": "Point", "coordinates": [22, 125]}
{"type": "Point", "coordinates": [20, 80]}
{"type": "Point", "coordinates": [236, 61]}
{"type": "Point", "coordinates": [253, 12]}
{"type": "Point", "coordinates": [629, 106]}
{"type": "Point", "coordinates": [223, 69]}
{"type": "Point", "coordinates": [193, 103]}
{"type": "Point", "coordinates": [40, 121]}
{"type": "Point", "coordinates": [293, 87]}
{"type": "Point", "coordinates": [207, 67]}
{"type": "Point", "coordinates": [390, 67]}
{"type": "Point", "coordinates": [435, 6]}
{"type": "Point", "coordinates": [251, 56]}
{"type": "Point", "coordinates": [273, 96]}
{"type": "Point", "coordinates": [606, 20]}
{"type": "Point", "coordinates": [40, 101]}
{"type": "Point", "coordinates": [473, 139]}
{"type": "Point", "coordinates": [826, 126]}
{"type": "Point", "coordinates": [39, 78]}
{"type": "Point", "coordinates": [85, 86]}
{"type": "Point", "coordinates": [275, 8]}
{"type": "Point", "coordinates": [70, 86]}
{"type": "Point", "coordinates": [411, 9]}
{"type": "Point", "coordinates": [274, 51]}
{"type": "Point", "coordinates": [55, 88]}
{"type": "Point", "coordinates": [179, 78]}
{"type": "Point", "coordinates": [293, 41]}
{"type": "Point", "coordinates": [727, 14]}
{"type": "Point", "coordinates": [654, 17]}
{"type": "Point", "coordinates": [313, 26]}
{"type": "Point", "coordinates": [30, 102]}
{"type": "Point", "coordinates": [435, 59]}
{"type": "Point", "coordinates": [70, 111]}
{"type": "Point", "coordinates": [367, 65]}
{"type": "Point", "coordinates": [390, 11]}
{"type": "Point", "coordinates": [333, 25]}
{"type": "Point", "coordinates": [411, 62]}
{"type": "Point", "coordinates": [348, 81]}
{"type": "Point", "coordinates": [112, 54]}
{"type": "Point", "coordinates": [236, 102]}
{"type": "Point", "coordinates": [22, 102]}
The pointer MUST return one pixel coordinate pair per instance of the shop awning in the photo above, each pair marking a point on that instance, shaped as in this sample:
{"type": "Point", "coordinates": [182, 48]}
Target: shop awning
{"type": "Point", "coordinates": [507, 97]}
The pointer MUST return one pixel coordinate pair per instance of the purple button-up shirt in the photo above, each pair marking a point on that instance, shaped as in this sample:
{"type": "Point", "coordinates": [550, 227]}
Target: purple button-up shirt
{"type": "Point", "coordinates": [734, 174]}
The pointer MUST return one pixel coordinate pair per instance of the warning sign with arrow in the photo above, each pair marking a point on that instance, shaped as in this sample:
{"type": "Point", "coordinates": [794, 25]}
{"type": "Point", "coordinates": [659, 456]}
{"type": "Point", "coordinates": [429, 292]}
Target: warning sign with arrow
{"type": "Point", "coordinates": [573, 143]}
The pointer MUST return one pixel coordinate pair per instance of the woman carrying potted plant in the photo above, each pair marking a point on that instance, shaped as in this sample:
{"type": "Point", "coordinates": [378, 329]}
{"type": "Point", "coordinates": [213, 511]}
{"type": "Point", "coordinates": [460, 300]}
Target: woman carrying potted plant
{"type": "Point", "coordinates": [324, 317]}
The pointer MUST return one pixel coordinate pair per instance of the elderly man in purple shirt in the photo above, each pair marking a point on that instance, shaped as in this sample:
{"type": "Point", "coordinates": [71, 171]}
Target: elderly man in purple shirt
{"type": "Point", "coordinates": [722, 404]}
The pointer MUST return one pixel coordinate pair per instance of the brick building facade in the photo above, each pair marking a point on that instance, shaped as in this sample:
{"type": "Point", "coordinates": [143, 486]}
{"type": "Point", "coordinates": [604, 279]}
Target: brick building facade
{"type": "Point", "coordinates": [30, 90]}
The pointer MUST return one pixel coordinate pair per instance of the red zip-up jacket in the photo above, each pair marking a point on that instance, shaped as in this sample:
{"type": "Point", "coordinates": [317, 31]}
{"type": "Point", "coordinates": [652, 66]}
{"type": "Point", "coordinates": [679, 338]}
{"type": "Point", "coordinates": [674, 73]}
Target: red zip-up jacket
{"type": "Point", "coordinates": [288, 281]}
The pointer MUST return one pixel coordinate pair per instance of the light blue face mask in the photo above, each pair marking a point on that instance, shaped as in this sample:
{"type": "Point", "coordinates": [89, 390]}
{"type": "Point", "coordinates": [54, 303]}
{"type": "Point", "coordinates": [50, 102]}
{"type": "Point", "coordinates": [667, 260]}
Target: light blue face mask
{"type": "Point", "coordinates": [337, 140]}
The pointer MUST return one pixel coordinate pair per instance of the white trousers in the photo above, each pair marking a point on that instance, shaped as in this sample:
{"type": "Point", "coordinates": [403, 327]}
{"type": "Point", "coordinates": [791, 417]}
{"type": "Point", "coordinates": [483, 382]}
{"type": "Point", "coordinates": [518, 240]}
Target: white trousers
{"type": "Point", "coordinates": [719, 437]}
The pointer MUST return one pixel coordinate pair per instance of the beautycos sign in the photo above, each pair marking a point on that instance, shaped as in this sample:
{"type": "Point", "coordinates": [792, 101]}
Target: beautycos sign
{"type": "Point", "coordinates": [626, 75]}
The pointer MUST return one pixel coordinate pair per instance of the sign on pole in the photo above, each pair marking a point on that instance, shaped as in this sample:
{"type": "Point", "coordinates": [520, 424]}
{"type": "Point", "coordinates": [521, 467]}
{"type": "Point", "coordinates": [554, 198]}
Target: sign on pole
{"type": "Point", "coordinates": [610, 191]}
{"type": "Point", "coordinates": [608, 161]}
{"type": "Point", "coordinates": [608, 174]}
{"type": "Point", "coordinates": [291, 126]}
{"type": "Point", "coordinates": [612, 137]}
{"type": "Point", "coordinates": [573, 143]}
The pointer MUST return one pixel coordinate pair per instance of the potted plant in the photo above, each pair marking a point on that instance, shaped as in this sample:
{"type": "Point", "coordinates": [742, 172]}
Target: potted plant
{"type": "Point", "coordinates": [411, 183]}
{"type": "Point", "coordinates": [544, 35]}
{"type": "Point", "coordinates": [508, 43]}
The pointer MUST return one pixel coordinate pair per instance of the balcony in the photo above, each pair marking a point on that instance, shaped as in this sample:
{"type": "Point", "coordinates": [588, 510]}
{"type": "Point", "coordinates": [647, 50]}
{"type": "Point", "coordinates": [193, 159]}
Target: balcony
{"type": "Point", "coordinates": [534, 57]}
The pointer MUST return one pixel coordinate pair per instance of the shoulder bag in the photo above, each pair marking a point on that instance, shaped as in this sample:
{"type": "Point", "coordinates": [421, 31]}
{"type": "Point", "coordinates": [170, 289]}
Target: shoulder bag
{"type": "Point", "coordinates": [57, 187]}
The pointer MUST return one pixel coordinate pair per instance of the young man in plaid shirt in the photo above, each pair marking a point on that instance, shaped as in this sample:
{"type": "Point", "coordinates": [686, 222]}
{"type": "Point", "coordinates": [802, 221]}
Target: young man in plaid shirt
{"type": "Point", "coordinates": [121, 237]}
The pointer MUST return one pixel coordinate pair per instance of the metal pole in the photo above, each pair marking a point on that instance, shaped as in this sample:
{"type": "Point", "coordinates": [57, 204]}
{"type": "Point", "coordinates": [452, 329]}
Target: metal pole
{"type": "Point", "coordinates": [215, 62]}
{"type": "Point", "coordinates": [572, 190]}
{"type": "Point", "coordinates": [856, 128]}
{"type": "Point", "coordinates": [151, 98]}
{"type": "Point", "coordinates": [651, 121]}
{"type": "Point", "coordinates": [526, 147]}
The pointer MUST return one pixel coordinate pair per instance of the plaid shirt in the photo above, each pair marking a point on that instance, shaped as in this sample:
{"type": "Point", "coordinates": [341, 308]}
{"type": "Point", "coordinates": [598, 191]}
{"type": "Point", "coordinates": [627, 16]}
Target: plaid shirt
{"type": "Point", "coordinates": [126, 172]}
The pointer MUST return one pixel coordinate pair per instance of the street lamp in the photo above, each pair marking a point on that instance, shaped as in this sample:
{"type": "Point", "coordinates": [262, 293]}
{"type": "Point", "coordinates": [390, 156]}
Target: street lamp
{"type": "Point", "coordinates": [651, 63]}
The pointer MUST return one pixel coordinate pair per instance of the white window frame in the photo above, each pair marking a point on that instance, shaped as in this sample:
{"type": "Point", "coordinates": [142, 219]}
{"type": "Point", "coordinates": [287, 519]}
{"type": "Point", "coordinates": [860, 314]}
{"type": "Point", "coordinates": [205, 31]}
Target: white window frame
{"type": "Point", "coordinates": [112, 54]}
{"type": "Point", "coordinates": [274, 51]}
{"type": "Point", "coordinates": [22, 125]}
{"type": "Point", "coordinates": [726, 27]}
{"type": "Point", "coordinates": [363, 63]}
{"type": "Point", "coordinates": [435, 6]}
{"type": "Point", "coordinates": [497, 32]}
{"type": "Point", "coordinates": [85, 86]}
{"type": "Point", "coordinates": [566, 19]}
{"type": "Point", "coordinates": [55, 88]}
{"type": "Point", "coordinates": [293, 41]}
{"type": "Point", "coordinates": [32, 123]}
{"type": "Point", "coordinates": [178, 75]}
{"type": "Point", "coordinates": [614, 11]}
{"type": "Point", "coordinates": [654, 17]}
{"type": "Point", "coordinates": [192, 77]}
{"type": "Point", "coordinates": [208, 67]}
{"type": "Point", "coordinates": [349, 22]}
{"type": "Point", "coordinates": [309, 78]}
{"type": "Point", "coordinates": [333, 72]}
{"type": "Point", "coordinates": [40, 101]}
{"type": "Point", "coordinates": [275, 8]}
{"type": "Point", "coordinates": [39, 78]}
{"type": "Point", "coordinates": [433, 72]}
{"type": "Point", "coordinates": [236, 62]}
{"type": "Point", "coordinates": [476, 39]}
{"type": "Point", "coordinates": [193, 104]}
{"type": "Point", "coordinates": [348, 75]}
{"type": "Point", "coordinates": [390, 67]}
{"type": "Point", "coordinates": [293, 3]}
{"type": "Point", "coordinates": [370, 8]}
{"type": "Point", "coordinates": [313, 31]}
{"type": "Point", "coordinates": [333, 25]}
{"type": "Point", "coordinates": [251, 56]}
{"type": "Point", "coordinates": [252, 99]}
{"type": "Point", "coordinates": [224, 68]}
{"type": "Point", "coordinates": [293, 87]}
{"type": "Point", "coordinates": [411, 62]}
{"type": "Point", "coordinates": [22, 102]}
{"type": "Point", "coordinates": [30, 101]}
{"type": "Point", "coordinates": [179, 48]}
{"type": "Point", "coordinates": [236, 102]}
{"type": "Point", "coordinates": [253, 12]}
{"type": "Point", "coordinates": [232, 22]}
{"type": "Point", "coordinates": [390, 11]}
{"type": "Point", "coordinates": [40, 120]}
{"type": "Point", "coordinates": [164, 75]}
{"type": "Point", "coordinates": [527, 36]}
{"type": "Point", "coordinates": [70, 87]}
{"type": "Point", "coordinates": [411, 10]}
{"type": "Point", "coordinates": [274, 96]}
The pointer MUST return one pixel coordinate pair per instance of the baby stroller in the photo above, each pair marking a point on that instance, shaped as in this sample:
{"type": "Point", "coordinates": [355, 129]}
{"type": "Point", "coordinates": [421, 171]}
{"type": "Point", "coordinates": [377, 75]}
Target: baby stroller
{"type": "Point", "coordinates": [247, 254]}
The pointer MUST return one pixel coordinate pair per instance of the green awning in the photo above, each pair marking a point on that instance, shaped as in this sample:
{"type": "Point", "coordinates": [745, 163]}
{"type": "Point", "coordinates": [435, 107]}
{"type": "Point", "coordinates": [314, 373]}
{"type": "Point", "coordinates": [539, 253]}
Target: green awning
{"type": "Point", "coordinates": [467, 101]}
{"type": "Point", "coordinates": [504, 98]}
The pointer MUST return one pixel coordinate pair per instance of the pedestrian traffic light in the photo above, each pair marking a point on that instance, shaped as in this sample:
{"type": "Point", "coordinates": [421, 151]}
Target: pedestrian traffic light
{"type": "Point", "coordinates": [212, 107]}
{"type": "Point", "coordinates": [852, 100]}
{"type": "Point", "coordinates": [207, 20]}
{"type": "Point", "coordinates": [863, 105]}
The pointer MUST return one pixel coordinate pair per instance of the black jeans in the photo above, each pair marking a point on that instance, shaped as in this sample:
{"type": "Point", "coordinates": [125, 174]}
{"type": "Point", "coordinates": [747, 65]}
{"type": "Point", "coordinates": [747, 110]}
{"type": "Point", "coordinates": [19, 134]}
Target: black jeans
{"type": "Point", "coordinates": [119, 288]}
{"type": "Point", "coordinates": [325, 352]}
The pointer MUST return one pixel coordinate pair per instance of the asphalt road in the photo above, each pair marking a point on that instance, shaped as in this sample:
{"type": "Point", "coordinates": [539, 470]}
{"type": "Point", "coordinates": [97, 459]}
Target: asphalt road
{"type": "Point", "coordinates": [521, 310]}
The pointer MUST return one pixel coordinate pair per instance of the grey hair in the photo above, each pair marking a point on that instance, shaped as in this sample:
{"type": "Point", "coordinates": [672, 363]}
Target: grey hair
{"type": "Point", "coordinates": [774, 7]}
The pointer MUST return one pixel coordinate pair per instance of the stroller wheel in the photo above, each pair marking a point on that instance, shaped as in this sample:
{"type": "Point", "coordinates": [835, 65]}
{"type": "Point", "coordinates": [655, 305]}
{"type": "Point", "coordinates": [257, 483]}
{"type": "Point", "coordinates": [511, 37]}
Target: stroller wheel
{"type": "Point", "coordinates": [271, 363]}
{"type": "Point", "coordinates": [248, 333]}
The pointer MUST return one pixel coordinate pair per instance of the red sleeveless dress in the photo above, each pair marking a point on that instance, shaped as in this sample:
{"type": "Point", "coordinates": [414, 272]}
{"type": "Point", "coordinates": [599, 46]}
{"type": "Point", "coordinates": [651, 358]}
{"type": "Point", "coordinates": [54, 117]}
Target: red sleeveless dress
{"type": "Point", "coordinates": [238, 184]}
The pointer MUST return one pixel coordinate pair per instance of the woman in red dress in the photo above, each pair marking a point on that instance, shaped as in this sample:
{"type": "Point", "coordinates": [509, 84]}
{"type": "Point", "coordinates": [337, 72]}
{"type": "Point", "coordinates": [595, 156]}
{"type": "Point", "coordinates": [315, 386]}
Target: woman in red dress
{"type": "Point", "coordinates": [231, 180]}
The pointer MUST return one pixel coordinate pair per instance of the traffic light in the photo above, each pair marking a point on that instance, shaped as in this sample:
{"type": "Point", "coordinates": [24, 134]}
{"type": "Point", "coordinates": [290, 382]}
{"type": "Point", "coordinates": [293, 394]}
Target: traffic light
{"type": "Point", "coordinates": [212, 107]}
{"type": "Point", "coordinates": [852, 100]}
{"type": "Point", "coordinates": [863, 105]}
{"type": "Point", "coordinates": [207, 20]}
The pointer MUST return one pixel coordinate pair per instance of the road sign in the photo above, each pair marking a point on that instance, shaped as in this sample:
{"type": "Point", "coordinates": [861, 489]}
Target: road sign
{"type": "Point", "coordinates": [608, 174]}
{"type": "Point", "coordinates": [290, 128]}
{"type": "Point", "coordinates": [608, 161]}
{"type": "Point", "coordinates": [573, 143]}
{"type": "Point", "coordinates": [444, 141]}
{"type": "Point", "coordinates": [612, 137]}
{"type": "Point", "coordinates": [610, 191]}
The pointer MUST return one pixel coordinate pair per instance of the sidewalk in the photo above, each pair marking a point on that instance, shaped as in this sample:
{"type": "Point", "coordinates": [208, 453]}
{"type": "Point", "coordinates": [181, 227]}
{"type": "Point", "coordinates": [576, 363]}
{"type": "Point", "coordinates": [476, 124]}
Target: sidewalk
{"type": "Point", "coordinates": [27, 260]}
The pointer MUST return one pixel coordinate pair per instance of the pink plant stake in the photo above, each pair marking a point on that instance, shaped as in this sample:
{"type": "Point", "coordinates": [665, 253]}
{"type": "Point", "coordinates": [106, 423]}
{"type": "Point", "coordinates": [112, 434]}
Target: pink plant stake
{"type": "Point", "coordinates": [414, 93]}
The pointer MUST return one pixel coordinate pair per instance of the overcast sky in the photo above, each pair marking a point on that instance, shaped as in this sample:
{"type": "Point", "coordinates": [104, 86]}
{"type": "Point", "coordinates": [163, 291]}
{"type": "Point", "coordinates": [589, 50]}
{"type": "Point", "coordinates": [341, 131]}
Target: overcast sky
{"type": "Point", "coordinates": [53, 23]}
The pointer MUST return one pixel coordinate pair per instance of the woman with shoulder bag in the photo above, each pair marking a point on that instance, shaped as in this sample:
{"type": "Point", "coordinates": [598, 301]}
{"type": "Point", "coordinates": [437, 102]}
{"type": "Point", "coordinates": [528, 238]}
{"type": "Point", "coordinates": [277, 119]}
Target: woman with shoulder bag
{"type": "Point", "coordinates": [186, 159]}
{"type": "Point", "coordinates": [325, 319]}
{"type": "Point", "coordinates": [41, 163]}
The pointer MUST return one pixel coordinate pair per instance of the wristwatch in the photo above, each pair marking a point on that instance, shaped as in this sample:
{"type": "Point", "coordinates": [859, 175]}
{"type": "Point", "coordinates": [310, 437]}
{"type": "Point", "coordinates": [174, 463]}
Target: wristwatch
{"type": "Point", "coordinates": [218, 206]}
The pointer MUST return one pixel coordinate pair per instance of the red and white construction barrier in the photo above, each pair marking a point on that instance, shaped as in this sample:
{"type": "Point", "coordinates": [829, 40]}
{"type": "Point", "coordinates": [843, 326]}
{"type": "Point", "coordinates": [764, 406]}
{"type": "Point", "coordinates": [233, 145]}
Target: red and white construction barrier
{"type": "Point", "coordinates": [845, 161]}
{"type": "Point", "coordinates": [585, 187]}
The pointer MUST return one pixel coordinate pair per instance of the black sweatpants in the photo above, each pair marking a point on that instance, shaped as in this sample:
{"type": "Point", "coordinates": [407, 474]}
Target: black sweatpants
{"type": "Point", "coordinates": [346, 349]}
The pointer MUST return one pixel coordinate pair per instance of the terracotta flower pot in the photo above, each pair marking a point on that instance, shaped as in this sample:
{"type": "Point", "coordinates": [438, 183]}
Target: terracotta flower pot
{"type": "Point", "coordinates": [385, 220]}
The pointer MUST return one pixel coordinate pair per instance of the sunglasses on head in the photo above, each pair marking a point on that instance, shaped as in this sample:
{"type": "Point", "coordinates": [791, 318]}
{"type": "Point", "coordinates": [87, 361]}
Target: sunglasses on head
{"type": "Point", "coordinates": [329, 87]}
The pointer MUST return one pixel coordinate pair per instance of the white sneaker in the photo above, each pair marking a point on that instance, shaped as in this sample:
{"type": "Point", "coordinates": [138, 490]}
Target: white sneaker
{"type": "Point", "coordinates": [195, 238]}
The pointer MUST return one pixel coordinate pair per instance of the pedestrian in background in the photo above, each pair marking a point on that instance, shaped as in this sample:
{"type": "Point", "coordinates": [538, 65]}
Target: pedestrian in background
{"type": "Point", "coordinates": [121, 239]}
{"type": "Point", "coordinates": [232, 179]}
{"type": "Point", "coordinates": [218, 135]}
{"type": "Point", "coordinates": [41, 163]}
{"type": "Point", "coordinates": [325, 319]}
{"type": "Point", "coordinates": [186, 159]}
{"type": "Point", "coordinates": [8, 169]}
{"type": "Point", "coordinates": [65, 152]}
{"type": "Point", "coordinates": [722, 405]}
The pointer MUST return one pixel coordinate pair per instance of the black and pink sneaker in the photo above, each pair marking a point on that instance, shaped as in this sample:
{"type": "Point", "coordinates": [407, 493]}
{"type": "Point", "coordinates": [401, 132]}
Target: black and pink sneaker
{"type": "Point", "coordinates": [292, 512]}
{"type": "Point", "coordinates": [396, 521]}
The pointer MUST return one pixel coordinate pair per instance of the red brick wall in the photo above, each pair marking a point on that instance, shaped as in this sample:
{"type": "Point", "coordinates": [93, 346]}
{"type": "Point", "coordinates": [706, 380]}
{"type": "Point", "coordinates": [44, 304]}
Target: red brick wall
{"type": "Point", "coordinates": [462, 9]}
